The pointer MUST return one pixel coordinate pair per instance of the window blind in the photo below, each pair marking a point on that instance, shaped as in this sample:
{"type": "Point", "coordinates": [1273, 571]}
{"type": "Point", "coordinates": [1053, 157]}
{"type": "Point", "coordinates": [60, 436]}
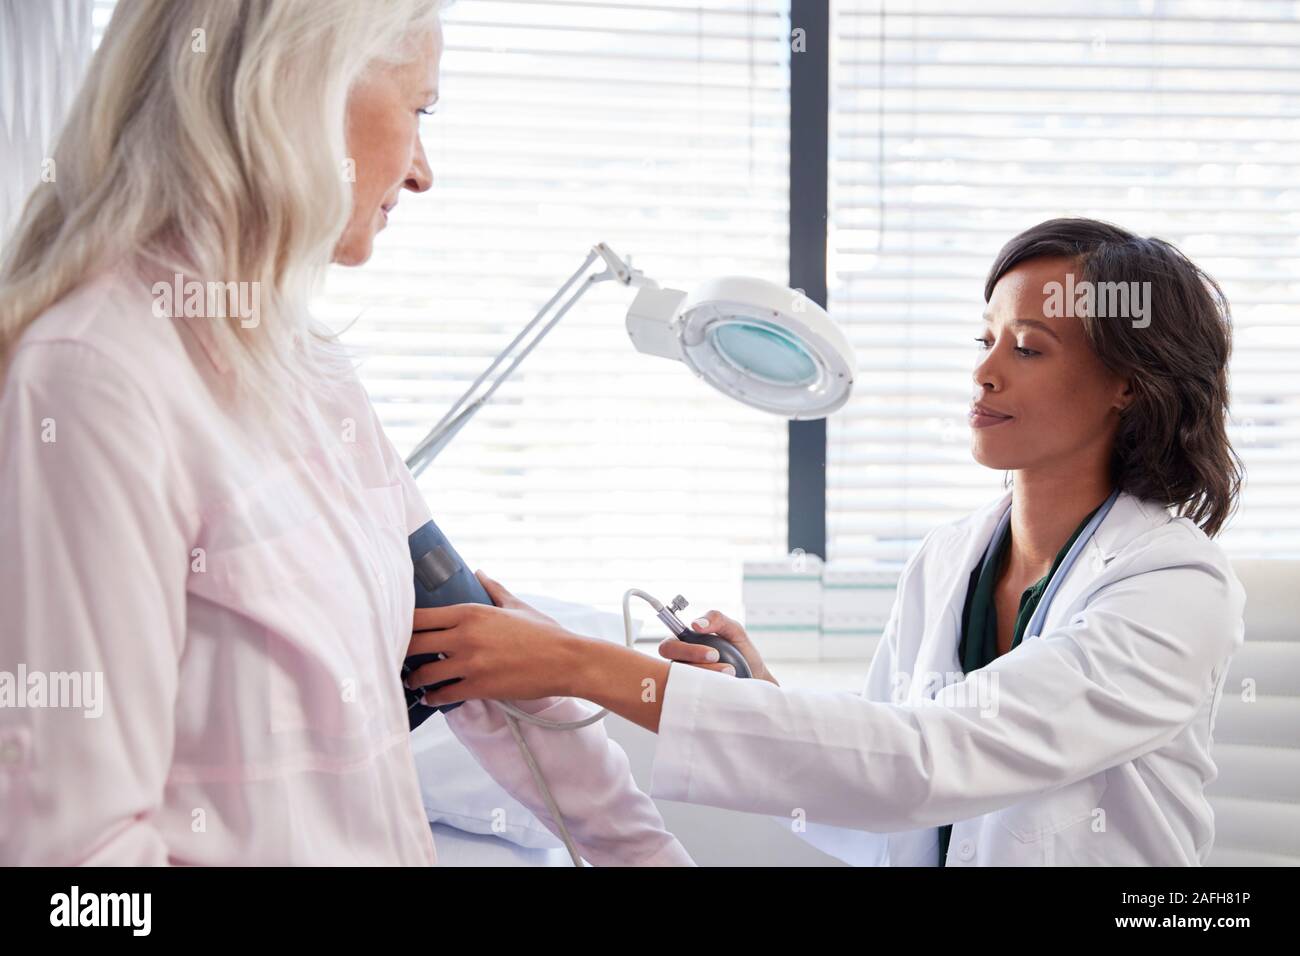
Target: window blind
{"type": "Point", "coordinates": [661, 128]}
{"type": "Point", "coordinates": [954, 127]}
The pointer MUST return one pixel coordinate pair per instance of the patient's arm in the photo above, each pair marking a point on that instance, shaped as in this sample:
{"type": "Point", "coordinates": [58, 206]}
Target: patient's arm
{"type": "Point", "coordinates": [610, 819]}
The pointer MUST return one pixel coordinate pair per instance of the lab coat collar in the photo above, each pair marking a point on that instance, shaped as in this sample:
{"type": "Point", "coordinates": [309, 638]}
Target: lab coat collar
{"type": "Point", "coordinates": [981, 528]}
{"type": "Point", "coordinates": [938, 654]}
{"type": "Point", "coordinates": [1129, 518]}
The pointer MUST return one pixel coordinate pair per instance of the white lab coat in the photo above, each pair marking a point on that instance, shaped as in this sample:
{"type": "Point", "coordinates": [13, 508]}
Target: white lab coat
{"type": "Point", "coordinates": [1086, 744]}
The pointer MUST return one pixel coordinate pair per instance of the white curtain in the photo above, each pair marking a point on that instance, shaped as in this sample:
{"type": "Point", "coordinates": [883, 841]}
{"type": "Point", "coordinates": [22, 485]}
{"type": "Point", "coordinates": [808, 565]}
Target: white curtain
{"type": "Point", "coordinates": [44, 49]}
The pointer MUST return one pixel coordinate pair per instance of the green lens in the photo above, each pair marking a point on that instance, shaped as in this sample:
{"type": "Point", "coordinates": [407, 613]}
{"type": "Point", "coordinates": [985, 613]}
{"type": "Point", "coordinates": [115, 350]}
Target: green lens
{"type": "Point", "coordinates": [764, 352]}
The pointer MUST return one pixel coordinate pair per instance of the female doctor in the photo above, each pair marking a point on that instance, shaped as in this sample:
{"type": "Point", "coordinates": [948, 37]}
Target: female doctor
{"type": "Point", "coordinates": [995, 727]}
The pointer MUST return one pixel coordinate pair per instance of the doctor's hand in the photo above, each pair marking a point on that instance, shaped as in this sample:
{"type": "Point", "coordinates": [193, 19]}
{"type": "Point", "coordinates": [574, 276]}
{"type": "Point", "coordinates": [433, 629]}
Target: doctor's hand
{"type": "Point", "coordinates": [508, 652]}
{"type": "Point", "coordinates": [715, 622]}
{"type": "Point", "coordinates": [503, 598]}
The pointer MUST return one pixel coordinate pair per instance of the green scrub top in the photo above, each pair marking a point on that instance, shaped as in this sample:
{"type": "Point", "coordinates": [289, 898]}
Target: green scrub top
{"type": "Point", "coordinates": [979, 619]}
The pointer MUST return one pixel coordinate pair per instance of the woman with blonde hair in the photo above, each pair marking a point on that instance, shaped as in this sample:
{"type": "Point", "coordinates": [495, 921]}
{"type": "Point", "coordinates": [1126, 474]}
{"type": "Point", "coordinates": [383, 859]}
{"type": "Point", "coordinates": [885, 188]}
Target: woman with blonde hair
{"type": "Point", "coordinates": [204, 526]}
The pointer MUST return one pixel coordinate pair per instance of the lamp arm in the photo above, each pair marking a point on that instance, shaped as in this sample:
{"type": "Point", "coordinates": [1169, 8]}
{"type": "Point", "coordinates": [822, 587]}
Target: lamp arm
{"type": "Point", "coordinates": [463, 409]}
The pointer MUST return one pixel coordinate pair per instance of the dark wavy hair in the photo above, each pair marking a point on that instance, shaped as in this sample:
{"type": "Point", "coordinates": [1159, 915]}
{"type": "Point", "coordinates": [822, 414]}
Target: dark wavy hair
{"type": "Point", "coordinates": [1172, 445]}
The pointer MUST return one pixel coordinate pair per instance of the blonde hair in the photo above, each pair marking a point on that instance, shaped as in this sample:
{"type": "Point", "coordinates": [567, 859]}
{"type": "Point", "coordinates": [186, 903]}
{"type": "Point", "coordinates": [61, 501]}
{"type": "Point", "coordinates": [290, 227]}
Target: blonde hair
{"type": "Point", "coordinates": [209, 139]}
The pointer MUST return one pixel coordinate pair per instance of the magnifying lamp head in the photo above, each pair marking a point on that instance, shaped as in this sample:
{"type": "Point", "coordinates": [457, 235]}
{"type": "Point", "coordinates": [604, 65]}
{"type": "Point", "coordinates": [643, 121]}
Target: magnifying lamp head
{"type": "Point", "coordinates": [760, 343]}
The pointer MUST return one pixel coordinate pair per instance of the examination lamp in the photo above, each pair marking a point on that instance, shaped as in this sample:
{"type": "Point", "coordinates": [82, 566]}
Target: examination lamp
{"type": "Point", "coordinates": [760, 343]}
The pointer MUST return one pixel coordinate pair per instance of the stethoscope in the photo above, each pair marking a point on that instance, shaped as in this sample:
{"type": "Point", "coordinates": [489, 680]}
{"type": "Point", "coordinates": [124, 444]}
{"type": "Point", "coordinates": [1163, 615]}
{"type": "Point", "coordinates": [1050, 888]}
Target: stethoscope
{"type": "Point", "coordinates": [1063, 570]}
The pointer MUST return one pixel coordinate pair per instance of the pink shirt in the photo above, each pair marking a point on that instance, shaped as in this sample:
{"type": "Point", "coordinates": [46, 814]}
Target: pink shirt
{"type": "Point", "coordinates": [245, 609]}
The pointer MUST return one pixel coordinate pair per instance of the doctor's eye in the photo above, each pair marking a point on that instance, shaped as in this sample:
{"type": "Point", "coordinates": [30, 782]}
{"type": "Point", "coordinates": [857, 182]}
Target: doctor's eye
{"type": "Point", "coordinates": [1020, 350]}
{"type": "Point", "coordinates": [427, 110]}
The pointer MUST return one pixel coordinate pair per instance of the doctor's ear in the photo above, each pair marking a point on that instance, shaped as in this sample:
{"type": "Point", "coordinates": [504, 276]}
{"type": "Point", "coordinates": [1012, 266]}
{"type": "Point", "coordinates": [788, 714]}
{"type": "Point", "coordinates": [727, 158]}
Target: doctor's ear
{"type": "Point", "coordinates": [1125, 397]}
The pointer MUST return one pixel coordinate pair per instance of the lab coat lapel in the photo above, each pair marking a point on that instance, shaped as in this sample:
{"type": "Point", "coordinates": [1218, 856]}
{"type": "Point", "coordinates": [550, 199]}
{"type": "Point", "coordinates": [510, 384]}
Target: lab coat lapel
{"type": "Point", "coordinates": [1129, 517]}
{"type": "Point", "coordinates": [937, 654]}
{"type": "Point", "coordinates": [949, 579]}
